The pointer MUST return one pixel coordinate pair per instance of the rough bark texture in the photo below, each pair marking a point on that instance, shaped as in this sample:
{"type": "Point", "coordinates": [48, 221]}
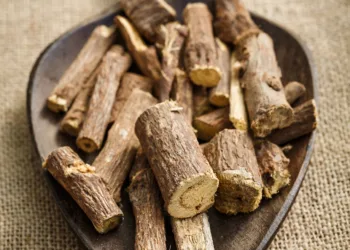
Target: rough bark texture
{"type": "Point", "coordinates": [145, 56]}
{"type": "Point", "coordinates": [193, 233]}
{"type": "Point", "coordinates": [85, 187]}
{"type": "Point", "coordinates": [147, 206]}
{"type": "Point", "coordinates": [238, 112]}
{"type": "Point", "coordinates": [129, 82]}
{"type": "Point", "coordinates": [148, 16]}
{"type": "Point", "coordinates": [267, 106]}
{"type": "Point", "coordinates": [174, 36]}
{"type": "Point", "coordinates": [219, 95]}
{"type": "Point", "coordinates": [114, 161]}
{"type": "Point", "coordinates": [294, 90]}
{"type": "Point", "coordinates": [233, 22]}
{"type": "Point", "coordinates": [183, 93]}
{"type": "Point", "coordinates": [200, 53]}
{"type": "Point", "coordinates": [115, 63]}
{"type": "Point", "coordinates": [81, 68]}
{"type": "Point", "coordinates": [273, 165]}
{"type": "Point", "coordinates": [210, 124]}
{"type": "Point", "coordinates": [184, 176]}
{"type": "Point", "coordinates": [232, 157]}
{"type": "Point", "coordinates": [73, 120]}
{"type": "Point", "coordinates": [305, 121]}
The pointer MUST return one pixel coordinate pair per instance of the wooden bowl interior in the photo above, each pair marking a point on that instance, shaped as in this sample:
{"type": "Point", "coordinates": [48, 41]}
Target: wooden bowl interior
{"type": "Point", "coordinates": [245, 231]}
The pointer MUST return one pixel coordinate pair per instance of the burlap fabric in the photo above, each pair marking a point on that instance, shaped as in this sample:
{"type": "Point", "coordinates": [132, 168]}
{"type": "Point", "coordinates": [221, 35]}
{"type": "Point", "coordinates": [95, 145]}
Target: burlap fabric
{"type": "Point", "coordinates": [320, 218]}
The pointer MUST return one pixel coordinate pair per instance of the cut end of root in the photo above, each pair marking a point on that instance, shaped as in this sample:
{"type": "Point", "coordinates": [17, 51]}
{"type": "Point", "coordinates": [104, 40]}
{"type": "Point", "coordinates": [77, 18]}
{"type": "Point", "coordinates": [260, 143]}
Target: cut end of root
{"type": "Point", "coordinates": [71, 127]}
{"type": "Point", "coordinates": [87, 145]}
{"type": "Point", "coordinates": [239, 124]}
{"type": "Point", "coordinates": [219, 100]}
{"type": "Point", "coordinates": [109, 224]}
{"type": "Point", "coordinates": [274, 118]}
{"type": "Point", "coordinates": [237, 193]}
{"type": "Point", "coordinates": [57, 104]}
{"type": "Point", "coordinates": [205, 76]}
{"type": "Point", "coordinates": [274, 182]}
{"type": "Point", "coordinates": [193, 196]}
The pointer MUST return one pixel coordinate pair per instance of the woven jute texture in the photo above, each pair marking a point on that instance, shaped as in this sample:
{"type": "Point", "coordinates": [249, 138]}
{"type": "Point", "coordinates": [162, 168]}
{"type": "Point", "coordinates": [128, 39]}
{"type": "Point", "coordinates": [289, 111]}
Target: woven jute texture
{"type": "Point", "coordinates": [320, 217]}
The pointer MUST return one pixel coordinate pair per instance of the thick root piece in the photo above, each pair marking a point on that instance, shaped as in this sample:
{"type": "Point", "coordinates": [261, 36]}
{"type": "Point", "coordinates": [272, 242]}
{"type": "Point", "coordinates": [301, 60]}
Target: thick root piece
{"type": "Point", "coordinates": [184, 176]}
{"type": "Point", "coordinates": [233, 22]}
{"type": "Point", "coordinates": [174, 36]}
{"type": "Point", "coordinates": [148, 16]}
{"type": "Point", "coordinates": [267, 106]}
{"type": "Point", "coordinates": [232, 157]}
{"type": "Point", "coordinates": [85, 187]}
{"type": "Point", "coordinates": [114, 161]}
{"type": "Point", "coordinates": [81, 68]}
{"type": "Point", "coordinates": [147, 206]}
{"type": "Point", "coordinates": [304, 122]}
{"type": "Point", "coordinates": [192, 233]}
{"type": "Point", "coordinates": [200, 52]}
{"type": "Point", "coordinates": [219, 95]}
{"type": "Point", "coordinates": [273, 165]}
{"type": "Point", "coordinates": [115, 63]}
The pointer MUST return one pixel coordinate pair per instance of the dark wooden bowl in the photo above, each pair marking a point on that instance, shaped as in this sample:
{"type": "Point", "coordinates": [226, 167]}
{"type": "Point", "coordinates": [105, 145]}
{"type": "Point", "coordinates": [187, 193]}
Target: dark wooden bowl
{"type": "Point", "coordinates": [245, 231]}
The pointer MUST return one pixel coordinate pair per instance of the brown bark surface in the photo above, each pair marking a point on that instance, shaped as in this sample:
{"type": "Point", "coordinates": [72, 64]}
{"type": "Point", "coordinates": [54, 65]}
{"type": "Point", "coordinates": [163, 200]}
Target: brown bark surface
{"type": "Point", "coordinates": [219, 95]}
{"type": "Point", "coordinates": [294, 90]}
{"type": "Point", "coordinates": [147, 206]}
{"type": "Point", "coordinates": [193, 233]}
{"type": "Point", "coordinates": [183, 93]}
{"type": "Point", "coordinates": [232, 157]}
{"type": "Point", "coordinates": [238, 112]}
{"type": "Point", "coordinates": [201, 104]}
{"type": "Point", "coordinates": [273, 166]}
{"type": "Point", "coordinates": [85, 187]}
{"type": "Point", "coordinates": [145, 56]}
{"type": "Point", "coordinates": [81, 68]}
{"type": "Point", "coordinates": [200, 52]}
{"type": "Point", "coordinates": [174, 36]}
{"type": "Point", "coordinates": [186, 181]}
{"type": "Point", "coordinates": [148, 16]}
{"type": "Point", "coordinates": [210, 124]}
{"type": "Point", "coordinates": [305, 121]}
{"type": "Point", "coordinates": [73, 120]}
{"type": "Point", "coordinates": [114, 161]}
{"type": "Point", "coordinates": [115, 63]}
{"type": "Point", "coordinates": [233, 22]}
{"type": "Point", "coordinates": [129, 82]}
{"type": "Point", "coordinates": [267, 106]}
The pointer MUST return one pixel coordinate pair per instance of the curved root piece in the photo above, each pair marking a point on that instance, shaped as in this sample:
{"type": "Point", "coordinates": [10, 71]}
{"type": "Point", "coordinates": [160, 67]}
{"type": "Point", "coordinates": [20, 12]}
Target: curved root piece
{"type": "Point", "coordinates": [87, 144]}
{"type": "Point", "coordinates": [205, 75]}
{"type": "Point", "coordinates": [238, 192]}
{"type": "Point", "coordinates": [194, 196]}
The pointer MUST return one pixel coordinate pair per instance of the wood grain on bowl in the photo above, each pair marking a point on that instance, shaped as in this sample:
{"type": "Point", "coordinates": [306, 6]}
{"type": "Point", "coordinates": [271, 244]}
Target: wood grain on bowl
{"type": "Point", "coordinates": [243, 231]}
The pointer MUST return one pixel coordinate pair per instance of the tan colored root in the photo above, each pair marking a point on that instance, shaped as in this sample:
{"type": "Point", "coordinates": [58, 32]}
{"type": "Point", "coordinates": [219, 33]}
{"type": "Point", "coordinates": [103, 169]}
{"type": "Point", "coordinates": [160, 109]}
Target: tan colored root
{"type": "Point", "coordinates": [237, 193]}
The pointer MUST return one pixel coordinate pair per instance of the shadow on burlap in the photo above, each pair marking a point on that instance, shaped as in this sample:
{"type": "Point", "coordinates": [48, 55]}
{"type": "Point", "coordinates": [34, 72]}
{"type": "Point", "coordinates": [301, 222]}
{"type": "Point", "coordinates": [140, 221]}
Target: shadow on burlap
{"type": "Point", "coordinates": [320, 217]}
